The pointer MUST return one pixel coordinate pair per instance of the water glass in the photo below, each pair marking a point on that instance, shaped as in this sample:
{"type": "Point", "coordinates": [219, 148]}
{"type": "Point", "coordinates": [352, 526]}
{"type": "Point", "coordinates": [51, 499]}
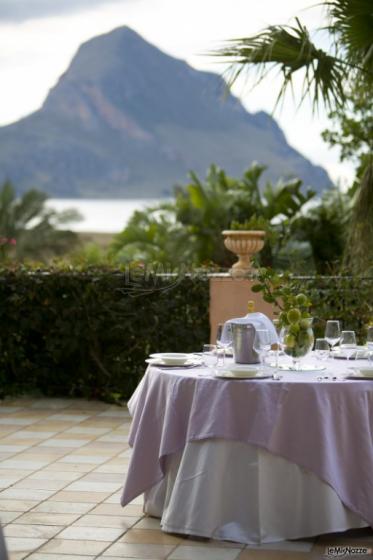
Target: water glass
{"type": "Point", "coordinates": [262, 344]}
{"type": "Point", "coordinates": [322, 349]}
{"type": "Point", "coordinates": [332, 333]}
{"type": "Point", "coordinates": [348, 343]}
{"type": "Point", "coordinates": [210, 357]}
{"type": "Point", "coordinates": [225, 342]}
{"type": "Point", "coordinates": [370, 343]}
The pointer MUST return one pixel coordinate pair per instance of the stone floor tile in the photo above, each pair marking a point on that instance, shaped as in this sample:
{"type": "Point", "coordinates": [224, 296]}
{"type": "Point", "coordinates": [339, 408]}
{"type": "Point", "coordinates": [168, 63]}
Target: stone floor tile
{"type": "Point", "coordinates": [143, 551]}
{"type": "Point", "coordinates": [295, 546]}
{"type": "Point", "coordinates": [68, 417]}
{"type": "Point", "coordinates": [116, 522]}
{"type": "Point", "coordinates": [47, 474]}
{"type": "Point", "coordinates": [150, 536]}
{"type": "Point", "coordinates": [50, 506]}
{"type": "Point", "coordinates": [4, 448]}
{"type": "Point", "coordinates": [56, 442]}
{"type": "Point", "coordinates": [71, 547]}
{"type": "Point", "coordinates": [117, 509]}
{"type": "Point", "coordinates": [86, 430]}
{"type": "Point", "coordinates": [89, 486]}
{"type": "Point", "coordinates": [25, 494]}
{"type": "Point", "coordinates": [115, 466]}
{"type": "Point", "coordinates": [91, 459]}
{"type": "Point", "coordinates": [17, 555]}
{"type": "Point", "coordinates": [41, 556]}
{"type": "Point", "coordinates": [187, 552]}
{"type": "Point", "coordinates": [103, 477]}
{"type": "Point", "coordinates": [16, 544]}
{"type": "Point", "coordinates": [32, 435]}
{"type": "Point", "coordinates": [88, 497]}
{"type": "Point", "coordinates": [148, 523]}
{"type": "Point", "coordinates": [39, 484]}
{"type": "Point", "coordinates": [17, 505]}
{"type": "Point", "coordinates": [115, 499]}
{"type": "Point", "coordinates": [35, 518]}
{"type": "Point", "coordinates": [13, 421]}
{"type": "Point", "coordinates": [6, 482]}
{"type": "Point", "coordinates": [251, 554]}
{"type": "Point", "coordinates": [52, 404]}
{"type": "Point", "coordinates": [31, 531]}
{"type": "Point", "coordinates": [23, 464]}
{"type": "Point", "coordinates": [108, 534]}
{"type": "Point", "coordinates": [9, 409]}
{"type": "Point", "coordinates": [8, 516]}
{"type": "Point", "coordinates": [113, 438]}
{"type": "Point", "coordinates": [70, 467]}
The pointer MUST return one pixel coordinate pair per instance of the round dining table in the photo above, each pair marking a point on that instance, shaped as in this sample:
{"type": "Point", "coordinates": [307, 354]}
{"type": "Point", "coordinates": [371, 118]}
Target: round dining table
{"type": "Point", "coordinates": [253, 460]}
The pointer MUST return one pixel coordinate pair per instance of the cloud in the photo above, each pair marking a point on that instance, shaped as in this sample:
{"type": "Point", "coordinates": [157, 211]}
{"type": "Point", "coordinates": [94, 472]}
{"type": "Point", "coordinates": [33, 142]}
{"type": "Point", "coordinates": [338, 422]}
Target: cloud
{"type": "Point", "coordinates": [21, 10]}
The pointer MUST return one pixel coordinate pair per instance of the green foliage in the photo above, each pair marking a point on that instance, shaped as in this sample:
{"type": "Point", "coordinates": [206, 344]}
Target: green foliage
{"type": "Point", "coordinates": [87, 332]}
{"type": "Point", "coordinates": [348, 299]}
{"type": "Point", "coordinates": [188, 230]}
{"type": "Point", "coordinates": [327, 75]}
{"type": "Point", "coordinates": [324, 227]}
{"type": "Point", "coordinates": [32, 226]}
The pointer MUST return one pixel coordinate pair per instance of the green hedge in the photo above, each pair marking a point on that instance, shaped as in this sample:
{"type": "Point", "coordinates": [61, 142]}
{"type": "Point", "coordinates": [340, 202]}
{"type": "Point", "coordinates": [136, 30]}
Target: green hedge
{"type": "Point", "coordinates": [87, 333]}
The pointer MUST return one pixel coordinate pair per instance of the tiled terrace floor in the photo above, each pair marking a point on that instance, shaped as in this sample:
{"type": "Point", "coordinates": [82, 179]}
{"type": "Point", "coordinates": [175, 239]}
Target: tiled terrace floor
{"type": "Point", "coordinates": [62, 465]}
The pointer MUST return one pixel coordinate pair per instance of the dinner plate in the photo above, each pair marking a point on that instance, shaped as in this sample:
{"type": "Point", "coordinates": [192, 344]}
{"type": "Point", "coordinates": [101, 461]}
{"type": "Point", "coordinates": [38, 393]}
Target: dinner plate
{"type": "Point", "coordinates": [192, 362]}
{"type": "Point", "coordinates": [302, 367]}
{"type": "Point", "coordinates": [363, 372]}
{"type": "Point", "coordinates": [230, 375]}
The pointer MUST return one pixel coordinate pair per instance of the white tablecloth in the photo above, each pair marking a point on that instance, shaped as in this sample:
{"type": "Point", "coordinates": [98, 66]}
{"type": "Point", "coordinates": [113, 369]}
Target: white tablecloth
{"type": "Point", "coordinates": [229, 490]}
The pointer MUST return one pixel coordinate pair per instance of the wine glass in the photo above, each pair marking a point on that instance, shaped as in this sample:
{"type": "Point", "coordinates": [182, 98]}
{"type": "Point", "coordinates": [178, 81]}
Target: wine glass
{"type": "Point", "coordinates": [332, 333]}
{"type": "Point", "coordinates": [370, 343]}
{"type": "Point", "coordinates": [209, 357]}
{"type": "Point", "coordinates": [348, 343]}
{"type": "Point", "coordinates": [322, 349]}
{"type": "Point", "coordinates": [262, 345]}
{"type": "Point", "coordinates": [277, 325]}
{"type": "Point", "coordinates": [224, 338]}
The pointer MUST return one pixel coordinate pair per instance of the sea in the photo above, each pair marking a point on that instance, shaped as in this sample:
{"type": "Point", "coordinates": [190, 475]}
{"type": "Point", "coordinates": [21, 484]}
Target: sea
{"type": "Point", "coordinates": [101, 216]}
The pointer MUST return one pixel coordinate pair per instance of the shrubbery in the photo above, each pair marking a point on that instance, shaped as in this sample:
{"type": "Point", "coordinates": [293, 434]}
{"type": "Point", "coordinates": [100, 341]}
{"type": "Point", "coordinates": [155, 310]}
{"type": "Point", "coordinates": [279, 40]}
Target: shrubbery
{"type": "Point", "coordinates": [87, 332]}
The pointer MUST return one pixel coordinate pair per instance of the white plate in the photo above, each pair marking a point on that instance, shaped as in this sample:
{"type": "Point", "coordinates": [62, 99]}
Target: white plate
{"type": "Point", "coordinates": [363, 371]}
{"type": "Point", "coordinates": [172, 358]}
{"type": "Point", "coordinates": [303, 367]}
{"type": "Point", "coordinates": [230, 375]}
{"type": "Point", "coordinates": [191, 362]}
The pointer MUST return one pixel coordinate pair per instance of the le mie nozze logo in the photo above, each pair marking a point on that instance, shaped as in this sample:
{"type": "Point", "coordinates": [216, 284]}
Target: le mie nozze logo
{"type": "Point", "coordinates": [345, 551]}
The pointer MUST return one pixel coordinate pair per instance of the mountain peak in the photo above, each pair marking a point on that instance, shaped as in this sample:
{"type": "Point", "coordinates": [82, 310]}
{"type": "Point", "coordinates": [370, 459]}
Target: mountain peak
{"type": "Point", "coordinates": [126, 119]}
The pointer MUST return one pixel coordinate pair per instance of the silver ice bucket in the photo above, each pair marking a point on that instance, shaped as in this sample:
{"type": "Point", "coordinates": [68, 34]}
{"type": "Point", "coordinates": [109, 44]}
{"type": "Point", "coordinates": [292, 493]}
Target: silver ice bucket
{"type": "Point", "coordinates": [243, 342]}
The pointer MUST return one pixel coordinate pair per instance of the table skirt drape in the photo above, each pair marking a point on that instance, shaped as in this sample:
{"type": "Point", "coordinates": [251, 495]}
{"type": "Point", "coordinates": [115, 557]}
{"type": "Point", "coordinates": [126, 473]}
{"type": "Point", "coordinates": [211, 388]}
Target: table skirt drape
{"type": "Point", "coordinates": [231, 490]}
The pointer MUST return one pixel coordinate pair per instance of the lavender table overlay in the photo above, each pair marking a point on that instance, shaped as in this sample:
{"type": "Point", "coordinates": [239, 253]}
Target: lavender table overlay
{"type": "Point", "coordinates": [325, 427]}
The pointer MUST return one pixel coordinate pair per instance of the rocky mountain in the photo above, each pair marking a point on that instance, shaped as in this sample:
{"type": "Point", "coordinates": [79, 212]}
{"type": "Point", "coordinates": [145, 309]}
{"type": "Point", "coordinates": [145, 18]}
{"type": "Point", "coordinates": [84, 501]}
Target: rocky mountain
{"type": "Point", "coordinates": [127, 120]}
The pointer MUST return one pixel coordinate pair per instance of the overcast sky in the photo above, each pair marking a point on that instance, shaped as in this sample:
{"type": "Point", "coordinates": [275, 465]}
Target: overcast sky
{"type": "Point", "coordinates": [38, 38]}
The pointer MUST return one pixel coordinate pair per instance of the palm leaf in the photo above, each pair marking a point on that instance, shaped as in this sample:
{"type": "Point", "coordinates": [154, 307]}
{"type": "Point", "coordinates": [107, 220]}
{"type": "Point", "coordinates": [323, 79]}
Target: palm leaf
{"type": "Point", "coordinates": [291, 49]}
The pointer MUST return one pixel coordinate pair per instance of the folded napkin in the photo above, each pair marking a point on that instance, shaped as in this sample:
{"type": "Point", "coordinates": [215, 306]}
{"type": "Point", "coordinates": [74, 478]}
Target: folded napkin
{"type": "Point", "coordinates": [258, 320]}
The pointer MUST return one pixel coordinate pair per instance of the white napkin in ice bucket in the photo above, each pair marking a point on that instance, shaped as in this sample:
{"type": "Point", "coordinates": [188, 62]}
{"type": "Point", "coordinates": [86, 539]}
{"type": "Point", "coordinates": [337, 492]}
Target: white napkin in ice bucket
{"type": "Point", "coordinates": [258, 320]}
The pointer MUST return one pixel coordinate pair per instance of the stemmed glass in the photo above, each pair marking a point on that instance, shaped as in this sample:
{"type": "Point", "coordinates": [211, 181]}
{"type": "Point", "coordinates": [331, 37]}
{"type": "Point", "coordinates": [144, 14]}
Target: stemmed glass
{"type": "Point", "coordinates": [348, 343]}
{"type": "Point", "coordinates": [225, 342]}
{"type": "Point", "coordinates": [210, 357]}
{"type": "Point", "coordinates": [277, 325]}
{"type": "Point", "coordinates": [322, 349]}
{"type": "Point", "coordinates": [262, 345]}
{"type": "Point", "coordinates": [370, 343]}
{"type": "Point", "coordinates": [332, 333]}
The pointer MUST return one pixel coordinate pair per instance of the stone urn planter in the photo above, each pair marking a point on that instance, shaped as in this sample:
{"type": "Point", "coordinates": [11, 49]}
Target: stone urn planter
{"type": "Point", "coordinates": [244, 244]}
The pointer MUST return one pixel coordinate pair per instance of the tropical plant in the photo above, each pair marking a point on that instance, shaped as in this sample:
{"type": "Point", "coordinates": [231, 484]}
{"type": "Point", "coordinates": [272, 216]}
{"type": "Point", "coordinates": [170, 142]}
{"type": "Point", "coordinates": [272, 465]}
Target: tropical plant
{"type": "Point", "coordinates": [32, 226]}
{"type": "Point", "coordinates": [188, 230]}
{"type": "Point", "coordinates": [329, 78]}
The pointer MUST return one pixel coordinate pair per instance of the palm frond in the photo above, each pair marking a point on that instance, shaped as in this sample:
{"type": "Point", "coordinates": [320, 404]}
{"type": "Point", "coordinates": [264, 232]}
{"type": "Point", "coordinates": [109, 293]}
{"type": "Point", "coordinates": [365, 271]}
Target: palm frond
{"type": "Point", "coordinates": [291, 49]}
{"type": "Point", "coordinates": [352, 28]}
